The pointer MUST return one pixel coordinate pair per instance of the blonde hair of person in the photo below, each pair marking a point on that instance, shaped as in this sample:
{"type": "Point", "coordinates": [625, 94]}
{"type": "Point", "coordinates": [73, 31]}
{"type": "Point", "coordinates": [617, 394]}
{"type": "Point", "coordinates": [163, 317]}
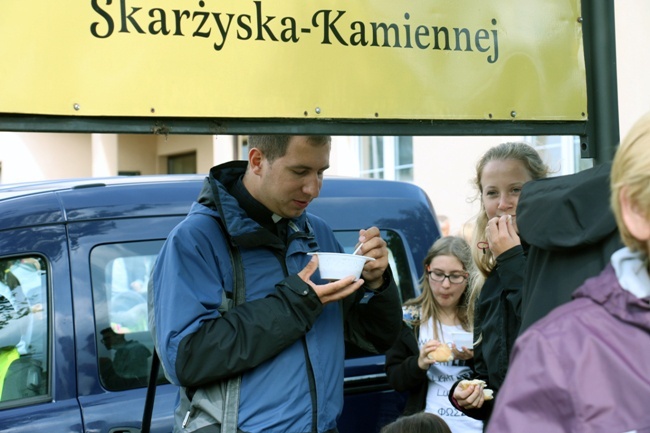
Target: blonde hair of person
{"type": "Point", "coordinates": [537, 169]}
{"type": "Point", "coordinates": [456, 247]}
{"type": "Point", "coordinates": [631, 176]}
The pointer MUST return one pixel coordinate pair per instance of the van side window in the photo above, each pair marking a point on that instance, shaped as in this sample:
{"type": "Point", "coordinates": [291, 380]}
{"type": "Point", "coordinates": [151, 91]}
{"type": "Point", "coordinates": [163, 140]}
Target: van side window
{"type": "Point", "coordinates": [23, 330]}
{"type": "Point", "coordinates": [120, 276]}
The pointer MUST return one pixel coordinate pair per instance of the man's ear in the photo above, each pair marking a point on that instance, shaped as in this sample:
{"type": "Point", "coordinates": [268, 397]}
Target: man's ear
{"type": "Point", "coordinates": [255, 158]}
{"type": "Point", "coordinates": [635, 220]}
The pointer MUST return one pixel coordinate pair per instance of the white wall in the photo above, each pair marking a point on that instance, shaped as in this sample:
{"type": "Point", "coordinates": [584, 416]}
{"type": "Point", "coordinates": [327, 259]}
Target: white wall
{"type": "Point", "coordinates": [633, 60]}
{"type": "Point", "coordinates": [344, 158]}
{"type": "Point", "coordinates": [223, 150]}
{"type": "Point", "coordinates": [104, 153]}
{"type": "Point", "coordinates": [137, 152]}
{"type": "Point", "coordinates": [42, 156]}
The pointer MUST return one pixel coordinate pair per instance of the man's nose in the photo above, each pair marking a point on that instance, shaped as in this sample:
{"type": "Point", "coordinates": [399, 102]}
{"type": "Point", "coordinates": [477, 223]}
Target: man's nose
{"type": "Point", "coordinates": [312, 186]}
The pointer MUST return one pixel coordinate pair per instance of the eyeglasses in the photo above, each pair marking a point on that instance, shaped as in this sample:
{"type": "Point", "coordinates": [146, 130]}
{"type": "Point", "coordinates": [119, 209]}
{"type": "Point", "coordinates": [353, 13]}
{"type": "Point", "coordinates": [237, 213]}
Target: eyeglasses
{"type": "Point", "coordinates": [439, 277]}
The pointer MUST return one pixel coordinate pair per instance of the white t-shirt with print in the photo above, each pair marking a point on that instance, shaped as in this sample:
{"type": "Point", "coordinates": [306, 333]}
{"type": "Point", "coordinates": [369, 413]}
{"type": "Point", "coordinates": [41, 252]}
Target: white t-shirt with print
{"type": "Point", "coordinates": [442, 375]}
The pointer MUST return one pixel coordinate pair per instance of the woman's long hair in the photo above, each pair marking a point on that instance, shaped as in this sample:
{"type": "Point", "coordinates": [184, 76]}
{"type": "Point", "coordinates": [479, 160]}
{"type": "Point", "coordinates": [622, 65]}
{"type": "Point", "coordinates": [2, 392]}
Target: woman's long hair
{"type": "Point", "coordinates": [459, 248]}
{"type": "Point", "coordinates": [485, 260]}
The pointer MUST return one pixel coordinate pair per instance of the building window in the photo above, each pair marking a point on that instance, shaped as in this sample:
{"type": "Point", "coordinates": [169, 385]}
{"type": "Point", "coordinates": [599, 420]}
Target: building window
{"type": "Point", "coordinates": [372, 157]}
{"type": "Point", "coordinates": [182, 164]}
{"type": "Point", "coordinates": [386, 158]}
{"type": "Point", "coordinates": [561, 153]}
{"type": "Point", "coordinates": [242, 147]}
{"type": "Point", "coordinates": [404, 158]}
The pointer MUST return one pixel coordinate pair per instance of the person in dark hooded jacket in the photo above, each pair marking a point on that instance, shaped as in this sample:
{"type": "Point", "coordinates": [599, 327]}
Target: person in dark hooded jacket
{"type": "Point", "coordinates": [583, 367]}
{"type": "Point", "coordinates": [567, 227]}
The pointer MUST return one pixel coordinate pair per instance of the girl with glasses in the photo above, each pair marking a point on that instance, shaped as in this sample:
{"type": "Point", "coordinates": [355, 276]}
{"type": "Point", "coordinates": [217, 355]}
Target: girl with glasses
{"type": "Point", "coordinates": [443, 307]}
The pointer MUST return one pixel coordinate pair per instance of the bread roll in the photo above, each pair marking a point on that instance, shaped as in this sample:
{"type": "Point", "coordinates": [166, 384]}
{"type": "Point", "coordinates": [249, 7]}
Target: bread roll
{"type": "Point", "coordinates": [441, 354]}
{"type": "Point", "coordinates": [487, 393]}
{"type": "Point", "coordinates": [464, 384]}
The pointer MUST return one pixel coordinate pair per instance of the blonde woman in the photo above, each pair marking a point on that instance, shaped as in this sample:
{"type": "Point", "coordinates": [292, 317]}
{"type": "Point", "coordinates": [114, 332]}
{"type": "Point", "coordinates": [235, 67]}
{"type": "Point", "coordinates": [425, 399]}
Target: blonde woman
{"type": "Point", "coordinates": [443, 307]}
{"type": "Point", "coordinates": [499, 256]}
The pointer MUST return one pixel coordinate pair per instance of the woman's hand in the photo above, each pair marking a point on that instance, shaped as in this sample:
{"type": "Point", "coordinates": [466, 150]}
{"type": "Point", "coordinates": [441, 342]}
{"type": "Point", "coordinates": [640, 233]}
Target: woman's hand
{"type": "Point", "coordinates": [501, 234]}
{"type": "Point", "coordinates": [424, 362]}
{"type": "Point", "coordinates": [469, 398]}
{"type": "Point", "coordinates": [464, 355]}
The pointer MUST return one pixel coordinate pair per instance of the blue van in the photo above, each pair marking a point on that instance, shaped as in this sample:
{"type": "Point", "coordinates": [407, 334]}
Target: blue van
{"type": "Point", "coordinates": [75, 257]}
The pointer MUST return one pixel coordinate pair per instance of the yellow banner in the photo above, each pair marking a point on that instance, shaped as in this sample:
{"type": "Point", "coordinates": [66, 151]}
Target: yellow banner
{"type": "Point", "coordinates": [330, 59]}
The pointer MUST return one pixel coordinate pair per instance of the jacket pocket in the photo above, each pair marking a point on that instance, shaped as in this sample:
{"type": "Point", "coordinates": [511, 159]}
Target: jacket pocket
{"type": "Point", "coordinates": [209, 409]}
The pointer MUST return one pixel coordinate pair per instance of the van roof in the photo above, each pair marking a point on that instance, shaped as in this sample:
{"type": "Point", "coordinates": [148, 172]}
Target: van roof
{"type": "Point", "coordinates": [58, 201]}
{"type": "Point", "coordinates": [358, 186]}
{"type": "Point", "coordinates": [346, 204]}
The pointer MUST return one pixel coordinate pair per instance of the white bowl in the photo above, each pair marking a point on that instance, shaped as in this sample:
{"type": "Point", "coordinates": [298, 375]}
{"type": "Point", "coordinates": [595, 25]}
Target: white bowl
{"type": "Point", "coordinates": [463, 339]}
{"type": "Point", "coordinates": [335, 266]}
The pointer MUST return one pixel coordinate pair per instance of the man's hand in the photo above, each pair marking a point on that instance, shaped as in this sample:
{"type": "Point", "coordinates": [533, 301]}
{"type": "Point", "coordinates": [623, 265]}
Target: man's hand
{"type": "Point", "coordinates": [333, 291]}
{"type": "Point", "coordinates": [373, 246]}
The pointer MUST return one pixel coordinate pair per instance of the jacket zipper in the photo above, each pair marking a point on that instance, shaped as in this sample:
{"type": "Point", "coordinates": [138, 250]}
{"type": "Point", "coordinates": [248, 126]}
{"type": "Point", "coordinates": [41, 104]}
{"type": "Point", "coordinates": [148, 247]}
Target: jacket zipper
{"type": "Point", "coordinates": [310, 371]}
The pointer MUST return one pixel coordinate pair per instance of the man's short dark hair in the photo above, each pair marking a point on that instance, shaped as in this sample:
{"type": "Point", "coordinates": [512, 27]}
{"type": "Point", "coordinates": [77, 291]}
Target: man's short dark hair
{"type": "Point", "coordinates": [275, 146]}
{"type": "Point", "coordinates": [108, 330]}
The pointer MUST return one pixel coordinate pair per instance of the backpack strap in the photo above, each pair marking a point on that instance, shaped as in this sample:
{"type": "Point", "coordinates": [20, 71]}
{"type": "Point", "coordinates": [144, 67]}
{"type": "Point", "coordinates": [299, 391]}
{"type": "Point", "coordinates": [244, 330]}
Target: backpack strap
{"type": "Point", "coordinates": [231, 404]}
{"type": "Point", "coordinates": [151, 393]}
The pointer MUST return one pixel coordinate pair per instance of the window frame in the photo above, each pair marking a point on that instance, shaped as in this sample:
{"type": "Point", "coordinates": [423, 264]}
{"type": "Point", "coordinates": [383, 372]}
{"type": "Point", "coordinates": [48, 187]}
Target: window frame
{"type": "Point", "coordinates": [379, 157]}
{"type": "Point", "coordinates": [35, 358]}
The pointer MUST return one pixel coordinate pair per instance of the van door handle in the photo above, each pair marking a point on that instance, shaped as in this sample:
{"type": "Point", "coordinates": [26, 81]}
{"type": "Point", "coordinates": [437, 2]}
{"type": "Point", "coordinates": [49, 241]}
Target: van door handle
{"type": "Point", "coordinates": [364, 384]}
{"type": "Point", "coordinates": [124, 430]}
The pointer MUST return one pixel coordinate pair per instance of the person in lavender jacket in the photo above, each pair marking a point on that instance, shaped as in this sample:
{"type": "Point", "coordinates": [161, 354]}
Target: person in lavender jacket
{"type": "Point", "coordinates": [584, 367]}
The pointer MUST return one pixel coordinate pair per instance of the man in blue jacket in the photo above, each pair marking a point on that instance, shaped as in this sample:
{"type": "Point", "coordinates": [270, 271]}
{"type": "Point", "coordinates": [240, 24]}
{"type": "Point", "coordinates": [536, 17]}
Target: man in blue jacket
{"type": "Point", "coordinates": [286, 341]}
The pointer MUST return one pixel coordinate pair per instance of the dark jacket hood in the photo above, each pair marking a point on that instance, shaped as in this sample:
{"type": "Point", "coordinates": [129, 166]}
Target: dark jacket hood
{"type": "Point", "coordinates": [567, 212]}
{"type": "Point", "coordinates": [244, 231]}
{"type": "Point", "coordinates": [215, 195]}
{"type": "Point", "coordinates": [220, 179]}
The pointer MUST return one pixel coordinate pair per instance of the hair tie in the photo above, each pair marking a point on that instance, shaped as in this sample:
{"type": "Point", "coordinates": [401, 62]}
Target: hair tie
{"type": "Point", "coordinates": [483, 246]}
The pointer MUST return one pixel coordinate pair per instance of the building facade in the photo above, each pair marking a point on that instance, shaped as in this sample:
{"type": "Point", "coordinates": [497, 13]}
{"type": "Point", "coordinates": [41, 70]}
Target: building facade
{"type": "Point", "coordinates": [442, 166]}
